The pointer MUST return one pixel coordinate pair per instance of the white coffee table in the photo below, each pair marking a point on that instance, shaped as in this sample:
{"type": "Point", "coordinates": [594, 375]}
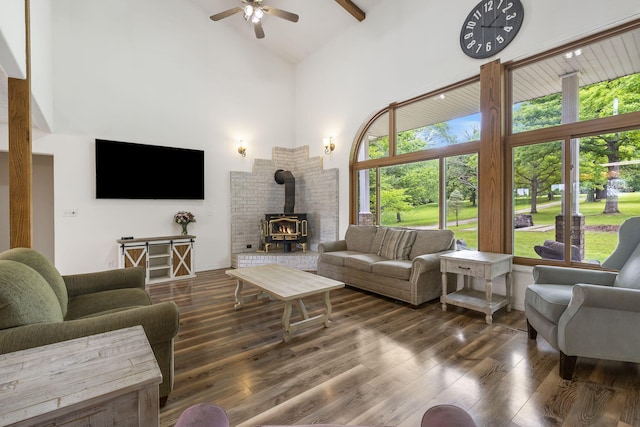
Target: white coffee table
{"type": "Point", "coordinates": [287, 284]}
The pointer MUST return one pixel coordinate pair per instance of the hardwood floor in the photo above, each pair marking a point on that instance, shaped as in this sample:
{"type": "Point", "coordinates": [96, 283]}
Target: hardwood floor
{"type": "Point", "coordinates": [380, 363]}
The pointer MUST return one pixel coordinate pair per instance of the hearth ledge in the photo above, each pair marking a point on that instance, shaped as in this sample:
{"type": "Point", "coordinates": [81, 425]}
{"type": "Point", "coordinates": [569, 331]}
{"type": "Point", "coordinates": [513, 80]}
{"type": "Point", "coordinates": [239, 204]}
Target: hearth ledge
{"type": "Point", "coordinates": [307, 261]}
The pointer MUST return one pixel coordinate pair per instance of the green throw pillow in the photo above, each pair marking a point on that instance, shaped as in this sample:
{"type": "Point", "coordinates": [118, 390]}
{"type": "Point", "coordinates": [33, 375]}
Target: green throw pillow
{"type": "Point", "coordinates": [25, 297]}
{"type": "Point", "coordinates": [44, 267]}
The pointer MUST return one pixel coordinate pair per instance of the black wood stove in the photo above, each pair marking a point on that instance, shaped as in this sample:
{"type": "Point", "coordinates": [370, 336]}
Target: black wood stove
{"type": "Point", "coordinates": [285, 228]}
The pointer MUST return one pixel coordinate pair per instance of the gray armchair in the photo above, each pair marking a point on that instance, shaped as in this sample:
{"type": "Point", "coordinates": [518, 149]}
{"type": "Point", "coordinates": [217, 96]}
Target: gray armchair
{"type": "Point", "coordinates": [590, 313]}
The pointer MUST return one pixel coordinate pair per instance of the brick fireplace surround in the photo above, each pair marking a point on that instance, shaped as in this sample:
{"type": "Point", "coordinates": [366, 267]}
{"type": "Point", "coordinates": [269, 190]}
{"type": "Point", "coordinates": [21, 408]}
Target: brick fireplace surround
{"type": "Point", "coordinates": [256, 193]}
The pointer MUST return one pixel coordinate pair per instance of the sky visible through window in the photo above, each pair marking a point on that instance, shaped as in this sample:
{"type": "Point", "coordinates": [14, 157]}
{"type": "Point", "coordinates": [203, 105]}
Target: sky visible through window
{"type": "Point", "coordinates": [462, 126]}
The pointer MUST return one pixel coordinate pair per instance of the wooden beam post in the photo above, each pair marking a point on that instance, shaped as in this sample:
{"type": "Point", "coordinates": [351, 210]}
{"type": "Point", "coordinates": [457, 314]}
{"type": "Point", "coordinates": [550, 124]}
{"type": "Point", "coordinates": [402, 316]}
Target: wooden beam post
{"type": "Point", "coordinates": [491, 160]}
{"type": "Point", "coordinates": [20, 158]}
{"type": "Point", "coordinates": [353, 9]}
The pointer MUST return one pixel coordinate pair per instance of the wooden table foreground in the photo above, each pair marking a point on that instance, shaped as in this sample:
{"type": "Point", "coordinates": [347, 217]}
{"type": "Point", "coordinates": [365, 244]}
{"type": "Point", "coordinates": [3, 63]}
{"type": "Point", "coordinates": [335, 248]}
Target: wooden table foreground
{"type": "Point", "coordinates": [101, 380]}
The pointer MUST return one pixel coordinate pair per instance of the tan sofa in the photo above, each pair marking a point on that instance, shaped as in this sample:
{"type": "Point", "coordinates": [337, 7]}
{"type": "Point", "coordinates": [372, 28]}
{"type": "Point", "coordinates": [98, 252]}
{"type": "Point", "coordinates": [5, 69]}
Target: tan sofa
{"type": "Point", "coordinates": [403, 264]}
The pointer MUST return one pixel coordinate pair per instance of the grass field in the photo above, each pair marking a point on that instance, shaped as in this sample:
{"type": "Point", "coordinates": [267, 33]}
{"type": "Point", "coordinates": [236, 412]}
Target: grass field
{"type": "Point", "coordinates": [598, 244]}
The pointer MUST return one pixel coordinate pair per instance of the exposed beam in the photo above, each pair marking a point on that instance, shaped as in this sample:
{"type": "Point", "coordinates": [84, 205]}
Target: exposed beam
{"type": "Point", "coordinates": [20, 158]}
{"type": "Point", "coordinates": [353, 9]}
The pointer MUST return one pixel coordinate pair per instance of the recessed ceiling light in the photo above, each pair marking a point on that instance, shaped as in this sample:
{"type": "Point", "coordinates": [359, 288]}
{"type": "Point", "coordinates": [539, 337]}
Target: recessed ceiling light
{"type": "Point", "coordinates": [571, 54]}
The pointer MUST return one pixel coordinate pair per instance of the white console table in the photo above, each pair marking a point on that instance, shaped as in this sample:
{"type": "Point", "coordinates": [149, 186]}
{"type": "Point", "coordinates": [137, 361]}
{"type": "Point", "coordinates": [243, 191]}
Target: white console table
{"type": "Point", "coordinates": [486, 265]}
{"type": "Point", "coordinates": [164, 258]}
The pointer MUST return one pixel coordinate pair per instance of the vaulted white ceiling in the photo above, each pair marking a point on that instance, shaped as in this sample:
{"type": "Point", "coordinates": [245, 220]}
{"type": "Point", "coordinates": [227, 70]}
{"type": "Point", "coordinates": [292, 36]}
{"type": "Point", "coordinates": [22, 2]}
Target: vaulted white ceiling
{"type": "Point", "coordinates": [320, 21]}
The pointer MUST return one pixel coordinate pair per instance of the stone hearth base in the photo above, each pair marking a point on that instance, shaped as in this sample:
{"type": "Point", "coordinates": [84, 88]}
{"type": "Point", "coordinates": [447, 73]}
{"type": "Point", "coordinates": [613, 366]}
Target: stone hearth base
{"type": "Point", "coordinates": [307, 261]}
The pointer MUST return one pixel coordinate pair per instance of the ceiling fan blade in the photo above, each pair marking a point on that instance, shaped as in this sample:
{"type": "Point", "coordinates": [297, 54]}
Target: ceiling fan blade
{"type": "Point", "coordinates": [219, 16]}
{"type": "Point", "coordinates": [257, 27]}
{"type": "Point", "coordinates": [281, 13]}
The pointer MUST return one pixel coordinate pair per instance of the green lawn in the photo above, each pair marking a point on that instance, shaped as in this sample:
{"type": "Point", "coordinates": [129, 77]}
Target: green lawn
{"type": "Point", "coordinates": [599, 244]}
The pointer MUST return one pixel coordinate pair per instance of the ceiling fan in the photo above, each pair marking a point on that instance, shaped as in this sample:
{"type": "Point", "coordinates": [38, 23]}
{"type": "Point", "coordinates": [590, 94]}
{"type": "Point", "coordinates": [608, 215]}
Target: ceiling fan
{"type": "Point", "coordinates": [253, 11]}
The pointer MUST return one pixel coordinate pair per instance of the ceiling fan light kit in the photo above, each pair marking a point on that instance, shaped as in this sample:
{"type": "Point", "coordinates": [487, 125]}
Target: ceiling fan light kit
{"type": "Point", "coordinates": [254, 12]}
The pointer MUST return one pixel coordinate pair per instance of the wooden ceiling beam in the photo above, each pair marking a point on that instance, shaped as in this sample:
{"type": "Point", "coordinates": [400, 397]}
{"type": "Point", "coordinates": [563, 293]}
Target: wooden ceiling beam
{"type": "Point", "coordinates": [353, 9]}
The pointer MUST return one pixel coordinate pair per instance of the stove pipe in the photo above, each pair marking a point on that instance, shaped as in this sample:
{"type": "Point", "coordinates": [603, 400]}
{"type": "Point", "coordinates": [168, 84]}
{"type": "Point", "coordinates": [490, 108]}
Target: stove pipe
{"type": "Point", "coordinates": [286, 178]}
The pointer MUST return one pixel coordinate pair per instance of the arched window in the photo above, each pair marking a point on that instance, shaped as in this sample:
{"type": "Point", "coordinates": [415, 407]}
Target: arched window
{"type": "Point", "coordinates": [416, 163]}
{"type": "Point", "coordinates": [561, 163]}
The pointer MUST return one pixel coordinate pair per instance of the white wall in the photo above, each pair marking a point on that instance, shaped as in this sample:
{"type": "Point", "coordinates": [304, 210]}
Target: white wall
{"type": "Point", "coordinates": [155, 72]}
{"type": "Point", "coordinates": [13, 53]}
{"type": "Point", "coordinates": [410, 47]}
{"type": "Point", "coordinates": [41, 65]}
{"type": "Point", "coordinates": [13, 57]}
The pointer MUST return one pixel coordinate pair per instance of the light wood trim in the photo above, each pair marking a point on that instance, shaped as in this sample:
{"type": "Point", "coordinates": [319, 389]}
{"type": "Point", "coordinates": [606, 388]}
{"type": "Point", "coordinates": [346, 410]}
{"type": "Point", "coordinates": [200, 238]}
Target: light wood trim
{"type": "Point", "coordinates": [442, 90]}
{"type": "Point", "coordinates": [353, 193]}
{"type": "Point", "coordinates": [20, 159]}
{"type": "Point", "coordinates": [567, 197]}
{"type": "Point", "coordinates": [392, 158]}
{"type": "Point", "coordinates": [508, 211]}
{"type": "Point", "coordinates": [491, 160]}
{"type": "Point", "coordinates": [593, 38]}
{"type": "Point", "coordinates": [565, 132]}
{"type": "Point", "coordinates": [392, 131]}
{"type": "Point", "coordinates": [378, 208]}
{"type": "Point", "coordinates": [619, 123]}
{"type": "Point", "coordinates": [353, 9]}
{"type": "Point", "coordinates": [420, 156]}
{"type": "Point", "coordinates": [443, 209]}
{"type": "Point", "coordinates": [353, 161]}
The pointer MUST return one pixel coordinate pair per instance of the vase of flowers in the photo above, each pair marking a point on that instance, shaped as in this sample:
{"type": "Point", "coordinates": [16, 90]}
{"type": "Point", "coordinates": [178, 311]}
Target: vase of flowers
{"type": "Point", "coordinates": [184, 218]}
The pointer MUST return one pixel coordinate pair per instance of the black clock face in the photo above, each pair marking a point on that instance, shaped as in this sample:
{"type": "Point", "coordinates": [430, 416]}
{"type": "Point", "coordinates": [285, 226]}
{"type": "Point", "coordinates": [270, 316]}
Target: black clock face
{"type": "Point", "coordinates": [490, 27]}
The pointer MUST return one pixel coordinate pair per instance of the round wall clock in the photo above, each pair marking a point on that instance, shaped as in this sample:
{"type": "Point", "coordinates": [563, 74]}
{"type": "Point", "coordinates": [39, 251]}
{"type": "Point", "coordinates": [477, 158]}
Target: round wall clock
{"type": "Point", "coordinates": [490, 27]}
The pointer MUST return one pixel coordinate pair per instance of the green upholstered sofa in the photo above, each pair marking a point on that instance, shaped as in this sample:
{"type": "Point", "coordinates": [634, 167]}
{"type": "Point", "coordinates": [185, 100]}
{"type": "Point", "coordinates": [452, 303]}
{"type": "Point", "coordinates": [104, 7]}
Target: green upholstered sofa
{"type": "Point", "coordinates": [38, 306]}
{"type": "Point", "coordinates": [403, 264]}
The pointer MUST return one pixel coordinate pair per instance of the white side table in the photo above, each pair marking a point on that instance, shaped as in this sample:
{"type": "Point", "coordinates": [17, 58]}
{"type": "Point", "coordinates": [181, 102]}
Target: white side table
{"type": "Point", "coordinates": [485, 265]}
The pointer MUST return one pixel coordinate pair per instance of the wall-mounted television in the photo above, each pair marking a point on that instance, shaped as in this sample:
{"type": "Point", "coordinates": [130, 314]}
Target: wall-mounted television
{"type": "Point", "coordinates": [126, 170]}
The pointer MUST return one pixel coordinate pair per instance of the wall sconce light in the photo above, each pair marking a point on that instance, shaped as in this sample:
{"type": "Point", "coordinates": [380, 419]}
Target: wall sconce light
{"type": "Point", "coordinates": [242, 149]}
{"type": "Point", "coordinates": [329, 146]}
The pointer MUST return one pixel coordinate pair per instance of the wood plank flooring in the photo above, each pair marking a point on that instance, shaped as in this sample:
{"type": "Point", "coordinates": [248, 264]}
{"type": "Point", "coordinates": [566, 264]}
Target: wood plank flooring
{"type": "Point", "coordinates": [380, 363]}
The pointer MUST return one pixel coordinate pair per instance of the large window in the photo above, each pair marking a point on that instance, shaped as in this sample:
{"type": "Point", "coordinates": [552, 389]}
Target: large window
{"type": "Point", "coordinates": [461, 198]}
{"type": "Point", "coordinates": [538, 190]}
{"type": "Point", "coordinates": [575, 149]}
{"type": "Point", "coordinates": [375, 143]}
{"type": "Point", "coordinates": [417, 164]}
{"type": "Point", "coordinates": [447, 118]}
{"type": "Point", "coordinates": [582, 82]}
{"type": "Point", "coordinates": [562, 162]}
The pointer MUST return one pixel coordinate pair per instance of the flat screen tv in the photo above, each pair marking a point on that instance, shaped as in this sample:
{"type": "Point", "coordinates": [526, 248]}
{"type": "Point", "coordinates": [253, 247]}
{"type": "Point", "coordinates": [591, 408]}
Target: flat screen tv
{"type": "Point", "coordinates": [138, 171]}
